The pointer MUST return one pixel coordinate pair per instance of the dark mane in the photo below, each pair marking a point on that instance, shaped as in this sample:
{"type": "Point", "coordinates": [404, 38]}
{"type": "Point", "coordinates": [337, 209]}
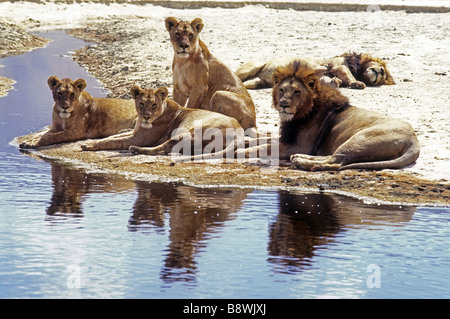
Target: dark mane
{"type": "Point", "coordinates": [353, 62]}
{"type": "Point", "coordinates": [327, 101]}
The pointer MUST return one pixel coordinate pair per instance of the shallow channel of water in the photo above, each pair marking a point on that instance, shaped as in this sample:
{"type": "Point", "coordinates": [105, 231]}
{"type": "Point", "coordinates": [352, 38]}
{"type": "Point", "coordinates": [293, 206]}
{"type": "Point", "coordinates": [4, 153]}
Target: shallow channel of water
{"type": "Point", "coordinates": [68, 234]}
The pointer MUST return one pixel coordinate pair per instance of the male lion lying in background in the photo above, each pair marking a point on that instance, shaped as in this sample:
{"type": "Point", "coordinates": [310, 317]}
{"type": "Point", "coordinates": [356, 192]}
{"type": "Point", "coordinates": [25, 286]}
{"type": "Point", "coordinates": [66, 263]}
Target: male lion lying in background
{"type": "Point", "coordinates": [321, 131]}
{"type": "Point", "coordinates": [162, 123]}
{"type": "Point", "coordinates": [77, 115]}
{"type": "Point", "coordinates": [348, 70]}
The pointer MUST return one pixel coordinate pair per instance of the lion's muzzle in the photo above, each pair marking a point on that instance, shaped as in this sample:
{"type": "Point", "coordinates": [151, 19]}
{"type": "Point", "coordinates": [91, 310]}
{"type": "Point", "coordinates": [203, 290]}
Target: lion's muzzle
{"type": "Point", "coordinates": [376, 75]}
{"type": "Point", "coordinates": [146, 122]}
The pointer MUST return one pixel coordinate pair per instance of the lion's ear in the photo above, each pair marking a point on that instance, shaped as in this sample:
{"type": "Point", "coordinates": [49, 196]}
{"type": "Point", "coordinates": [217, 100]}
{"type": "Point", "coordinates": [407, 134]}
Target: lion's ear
{"type": "Point", "coordinates": [135, 91]}
{"type": "Point", "coordinates": [80, 84]}
{"type": "Point", "coordinates": [313, 82]}
{"type": "Point", "coordinates": [52, 82]}
{"type": "Point", "coordinates": [170, 23]}
{"type": "Point", "coordinates": [197, 24]}
{"type": "Point", "coordinates": [162, 92]}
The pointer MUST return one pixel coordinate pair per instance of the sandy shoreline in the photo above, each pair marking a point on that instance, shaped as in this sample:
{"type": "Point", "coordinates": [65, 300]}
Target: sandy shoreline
{"type": "Point", "coordinates": [132, 47]}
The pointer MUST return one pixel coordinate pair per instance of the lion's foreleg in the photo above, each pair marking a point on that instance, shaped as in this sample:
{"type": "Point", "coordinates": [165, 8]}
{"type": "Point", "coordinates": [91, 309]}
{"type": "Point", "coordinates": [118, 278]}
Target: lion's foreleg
{"type": "Point", "coordinates": [345, 75]}
{"type": "Point", "coordinates": [315, 163]}
{"type": "Point", "coordinates": [50, 138]}
{"type": "Point", "coordinates": [121, 141]}
{"type": "Point", "coordinates": [179, 97]}
{"type": "Point", "coordinates": [162, 149]}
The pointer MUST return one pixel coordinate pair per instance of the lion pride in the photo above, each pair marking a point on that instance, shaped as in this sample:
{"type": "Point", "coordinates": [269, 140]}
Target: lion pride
{"type": "Point", "coordinates": [203, 81]}
{"type": "Point", "coordinates": [320, 130]}
{"type": "Point", "coordinates": [353, 70]}
{"type": "Point", "coordinates": [77, 115]}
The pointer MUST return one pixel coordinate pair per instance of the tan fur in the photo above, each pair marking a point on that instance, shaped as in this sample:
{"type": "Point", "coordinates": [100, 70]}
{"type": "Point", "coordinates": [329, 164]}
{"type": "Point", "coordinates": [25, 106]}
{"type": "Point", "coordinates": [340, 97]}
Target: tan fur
{"type": "Point", "coordinates": [162, 123]}
{"type": "Point", "coordinates": [203, 81]}
{"type": "Point", "coordinates": [77, 115]}
{"type": "Point", "coordinates": [321, 131]}
{"type": "Point", "coordinates": [351, 70]}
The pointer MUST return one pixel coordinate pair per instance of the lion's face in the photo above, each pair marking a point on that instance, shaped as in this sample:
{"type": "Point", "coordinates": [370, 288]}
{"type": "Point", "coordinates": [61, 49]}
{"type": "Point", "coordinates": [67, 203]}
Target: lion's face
{"type": "Point", "coordinates": [150, 104]}
{"type": "Point", "coordinates": [184, 35]}
{"type": "Point", "coordinates": [374, 74]}
{"type": "Point", "coordinates": [374, 71]}
{"type": "Point", "coordinates": [66, 94]}
{"type": "Point", "coordinates": [293, 96]}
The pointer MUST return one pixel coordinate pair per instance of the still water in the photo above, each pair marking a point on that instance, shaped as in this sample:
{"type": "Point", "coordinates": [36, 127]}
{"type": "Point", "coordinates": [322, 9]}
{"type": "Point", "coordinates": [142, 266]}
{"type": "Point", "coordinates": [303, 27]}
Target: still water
{"type": "Point", "coordinates": [68, 234]}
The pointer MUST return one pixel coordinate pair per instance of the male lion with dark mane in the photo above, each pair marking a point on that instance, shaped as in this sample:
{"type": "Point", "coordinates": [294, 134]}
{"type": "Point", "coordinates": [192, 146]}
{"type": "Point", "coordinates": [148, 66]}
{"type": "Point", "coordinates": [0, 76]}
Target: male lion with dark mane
{"type": "Point", "coordinates": [320, 130]}
{"type": "Point", "coordinates": [162, 123]}
{"type": "Point", "coordinates": [77, 115]}
{"type": "Point", "coordinates": [202, 80]}
{"type": "Point", "coordinates": [351, 70]}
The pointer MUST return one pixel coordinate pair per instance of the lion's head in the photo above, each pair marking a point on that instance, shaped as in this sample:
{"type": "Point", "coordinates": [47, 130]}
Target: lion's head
{"type": "Point", "coordinates": [184, 35]}
{"type": "Point", "coordinates": [150, 104]}
{"type": "Point", "coordinates": [66, 94]}
{"type": "Point", "coordinates": [295, 87]}
{"type": "Point", "coordinates": [372, 71]}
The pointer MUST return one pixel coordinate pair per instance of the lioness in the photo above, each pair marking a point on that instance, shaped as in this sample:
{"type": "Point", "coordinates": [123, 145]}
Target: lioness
{"type": "Point", "coordinates": [348, 70]}
{"type": "Point", "coordinates": [77, 115]}
{"type": "Point", "coordinates": [321, 131]}
{"type": "Point", "coordinates": [203, 81]}
{"type": "Point", "coordinates": [162, 123]}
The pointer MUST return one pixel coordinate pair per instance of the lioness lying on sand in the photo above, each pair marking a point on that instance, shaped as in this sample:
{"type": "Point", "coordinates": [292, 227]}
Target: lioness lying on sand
{"type": "Point", "coordinates": [77, 115]}
{"type": "Point", "coordinates": [163, 123]}
{"type": "Point", "coordinates": [203, 81]}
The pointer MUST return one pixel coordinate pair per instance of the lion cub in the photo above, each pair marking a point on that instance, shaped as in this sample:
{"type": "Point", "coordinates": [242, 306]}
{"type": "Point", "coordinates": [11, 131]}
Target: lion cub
{"type": "Point", "coordinates": [202, 80]}
{"type": "Point", "coordinates": [77, 115]}
{"type": "Point", "coordinates": [163, 123]}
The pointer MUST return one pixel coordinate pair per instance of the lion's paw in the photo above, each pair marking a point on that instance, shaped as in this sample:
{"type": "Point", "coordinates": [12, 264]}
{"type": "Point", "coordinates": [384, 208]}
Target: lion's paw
{"type": "Point", "coordinates": [357, 85]}
{"type": "Point", "coordinates": [30, 144]}
{"type": "Point", "coordinates": [336, 82]}
{"type": "Point", "coordinates": [134, 149]}
{"type": "Point", "coordinates": [89, 147]}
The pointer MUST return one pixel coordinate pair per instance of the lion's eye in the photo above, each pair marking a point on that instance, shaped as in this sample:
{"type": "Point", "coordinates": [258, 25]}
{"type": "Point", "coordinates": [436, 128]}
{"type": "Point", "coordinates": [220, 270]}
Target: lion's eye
{"type": "Point", "coordinates": [141, 105]}
{"type": "Point", "coordinates": [296, 92]}
{"type": "Point", "coordinates": [177, 34]}
{"type": "Point", "coordinates": [59, 94]}
{"type": "Point", "coordinates": [72, 95]}
{"type": "Point", "coordinates": [281, 90]}
{"type": "Point", "coordinates": [154, 106]}
{"type": "Point", "coordinates": [191, 35]}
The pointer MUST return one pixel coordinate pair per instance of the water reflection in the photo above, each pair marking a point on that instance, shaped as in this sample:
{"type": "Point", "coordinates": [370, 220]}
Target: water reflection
{"type": "Point", "coordinates": [72, 186]}
{"type": "Point", "coordinates": [191, 216]}
{"type": "Point", "coordinates": [306, 222]}
{"type": "Point", "coordinates": [194, 215]}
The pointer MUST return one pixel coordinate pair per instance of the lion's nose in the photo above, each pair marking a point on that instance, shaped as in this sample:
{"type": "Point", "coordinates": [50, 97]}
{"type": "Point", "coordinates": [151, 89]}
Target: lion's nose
{"type": "Point", "coordinates": [184, 45]}
{"type": "Point", "coordinates": [284, 104]}
{"type": "Point", "coordinates": [146, 117]}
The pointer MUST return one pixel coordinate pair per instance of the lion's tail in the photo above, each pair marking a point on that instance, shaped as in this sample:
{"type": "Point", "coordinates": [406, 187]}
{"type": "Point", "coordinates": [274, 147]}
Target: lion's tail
{"type": "Point", "coordinates": [408, 157]}
{"type": "Point", "coordinates": [249, 70]}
